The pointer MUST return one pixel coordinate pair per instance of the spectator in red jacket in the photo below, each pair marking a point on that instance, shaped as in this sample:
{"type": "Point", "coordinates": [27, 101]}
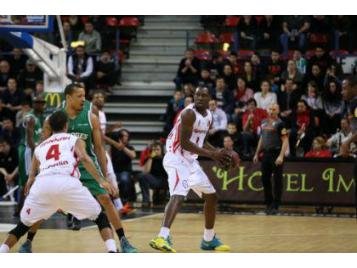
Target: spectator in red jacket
{"type": "Point", "coordinates": [252, 119]}
{"type": "Point", "coordinates": [242, 94]}
{"type": "Point", "coordinates": [318, 149]}
{"type": "Point", "coordinates": [303, 129]}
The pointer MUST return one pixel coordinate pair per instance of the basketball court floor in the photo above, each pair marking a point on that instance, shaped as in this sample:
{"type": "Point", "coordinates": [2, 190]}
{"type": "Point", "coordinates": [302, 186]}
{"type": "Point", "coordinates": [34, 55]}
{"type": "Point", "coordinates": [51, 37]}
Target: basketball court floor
{"type": "Point", "coordinates": [244, 232]}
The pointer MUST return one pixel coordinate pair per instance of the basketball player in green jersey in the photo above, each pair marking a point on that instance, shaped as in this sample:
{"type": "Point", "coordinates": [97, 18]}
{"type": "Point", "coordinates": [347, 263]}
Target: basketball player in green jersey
{"type": "Point", "coordinates": [84, 124]}
{"type": "Point", "coordinates": [32, 124]}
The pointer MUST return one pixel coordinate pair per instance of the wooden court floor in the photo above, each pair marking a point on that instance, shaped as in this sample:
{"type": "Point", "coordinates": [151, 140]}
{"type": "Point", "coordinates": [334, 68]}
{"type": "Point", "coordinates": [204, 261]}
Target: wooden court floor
{"type": "Point", "coordinates": [252, 233]}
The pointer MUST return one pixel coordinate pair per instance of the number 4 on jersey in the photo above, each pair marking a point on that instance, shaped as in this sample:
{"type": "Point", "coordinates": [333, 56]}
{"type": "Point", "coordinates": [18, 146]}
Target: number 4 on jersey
{"type": "Point", "coordinates": [53, 152]}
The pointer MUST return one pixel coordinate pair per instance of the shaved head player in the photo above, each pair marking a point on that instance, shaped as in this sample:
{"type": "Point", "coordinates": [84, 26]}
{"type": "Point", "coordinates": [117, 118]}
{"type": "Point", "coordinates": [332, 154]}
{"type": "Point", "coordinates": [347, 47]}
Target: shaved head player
{"type": "Point", "coordinates": [187, 141]}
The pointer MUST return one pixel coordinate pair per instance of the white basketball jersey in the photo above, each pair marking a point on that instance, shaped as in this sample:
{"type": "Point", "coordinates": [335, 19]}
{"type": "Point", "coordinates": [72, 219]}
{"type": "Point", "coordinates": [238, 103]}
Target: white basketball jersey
{"type": "Point", "coordinates": [57, 157]}
{"type": "Point", "coordinates": [200, 129]}
{"type": "Point", "coordinates": [102, 121]}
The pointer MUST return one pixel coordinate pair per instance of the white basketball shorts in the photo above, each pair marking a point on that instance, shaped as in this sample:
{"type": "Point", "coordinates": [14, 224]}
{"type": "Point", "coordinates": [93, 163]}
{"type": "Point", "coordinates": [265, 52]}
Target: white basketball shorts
{"type": "Point", "coordinates": [183, 176]}
{"type": "Point", "coordinates": [50, 193]}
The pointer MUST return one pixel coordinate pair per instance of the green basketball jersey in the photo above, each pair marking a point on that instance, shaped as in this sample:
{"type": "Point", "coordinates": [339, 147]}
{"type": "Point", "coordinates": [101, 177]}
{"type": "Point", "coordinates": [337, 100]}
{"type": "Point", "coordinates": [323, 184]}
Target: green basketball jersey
{"type": "Point", "coordinates": [38, 127]}
{"type": "Point", "coordinates": [81, 127]}
{"type": "Point", "coordinates": [87, 106]}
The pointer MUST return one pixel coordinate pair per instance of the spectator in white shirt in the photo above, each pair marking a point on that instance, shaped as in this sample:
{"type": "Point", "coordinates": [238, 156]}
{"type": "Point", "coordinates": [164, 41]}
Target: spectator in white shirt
{"type": "Point", "coordinates": [265, 98]}
{"type": "Point", "coordinates": [335, 141]}
{"type": "Point", "coordinates": [80, 68]}
{"type": "Point", "coordinates": [219, 124]}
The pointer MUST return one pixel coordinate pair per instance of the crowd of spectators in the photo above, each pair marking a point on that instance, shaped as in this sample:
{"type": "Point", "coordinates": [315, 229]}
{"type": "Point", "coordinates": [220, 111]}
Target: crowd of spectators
{"type": "Point", "coordinates": [287, 66]}
{"type": "Point", "coordinates": [286, 32]}
{"type": "Point", "coordinates": [306, 84]}
{"type": "Point", "coordinates": [310, 98]}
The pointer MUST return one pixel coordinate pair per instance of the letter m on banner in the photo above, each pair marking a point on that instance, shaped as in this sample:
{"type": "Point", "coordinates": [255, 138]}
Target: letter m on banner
{"type": "Point", "coordinates": [53, 100]}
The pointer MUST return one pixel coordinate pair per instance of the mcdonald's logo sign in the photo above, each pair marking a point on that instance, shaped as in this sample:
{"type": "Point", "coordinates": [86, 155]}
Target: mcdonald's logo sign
{"type": "Point", "coordinates": [54, 99]}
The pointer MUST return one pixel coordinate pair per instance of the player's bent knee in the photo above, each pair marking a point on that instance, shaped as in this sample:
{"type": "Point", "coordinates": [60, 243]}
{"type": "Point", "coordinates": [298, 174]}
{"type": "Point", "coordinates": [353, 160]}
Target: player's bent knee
{"type": "Point", "coordinates": [102, 221]}
{"type": "Point", "coordinates": [19, 230]}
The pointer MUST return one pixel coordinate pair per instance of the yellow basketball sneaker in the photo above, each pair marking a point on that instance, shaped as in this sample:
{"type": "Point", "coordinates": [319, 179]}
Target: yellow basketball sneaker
{"type": "Point", "coordinates": [162, 244]}
{"type": "Point", "coordinates": [214, 244]}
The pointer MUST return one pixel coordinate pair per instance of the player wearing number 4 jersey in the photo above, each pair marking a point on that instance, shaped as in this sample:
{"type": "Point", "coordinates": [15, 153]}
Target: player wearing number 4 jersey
{"type": "Point", "coordinates": [84, 124]}
{"type": "Point", "coordinates": [186, 141]}
{"type": "Point", "coordinates": [57, 184]}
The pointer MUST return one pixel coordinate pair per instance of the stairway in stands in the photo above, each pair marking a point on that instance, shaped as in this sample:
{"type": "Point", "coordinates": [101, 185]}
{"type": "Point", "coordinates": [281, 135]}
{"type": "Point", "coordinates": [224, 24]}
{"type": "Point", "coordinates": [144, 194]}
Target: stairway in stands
{"type": "Point", "coordinates": [147, 76]}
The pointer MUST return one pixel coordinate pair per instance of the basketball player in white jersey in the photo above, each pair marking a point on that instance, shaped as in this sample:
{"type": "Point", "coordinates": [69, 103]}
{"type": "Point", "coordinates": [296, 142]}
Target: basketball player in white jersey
{"type": "Point", "coordinates": [57, 184]}
{"type": "Point", "coordinates": [98, 101]}
{"type": "Point", "coordinates": [187, 141]}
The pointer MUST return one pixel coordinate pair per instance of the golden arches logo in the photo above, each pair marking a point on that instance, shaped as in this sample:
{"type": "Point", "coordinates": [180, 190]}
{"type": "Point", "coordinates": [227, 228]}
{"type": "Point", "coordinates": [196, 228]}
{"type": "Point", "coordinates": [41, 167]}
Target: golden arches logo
{"type": "Point", "coordinates": [53, 99]}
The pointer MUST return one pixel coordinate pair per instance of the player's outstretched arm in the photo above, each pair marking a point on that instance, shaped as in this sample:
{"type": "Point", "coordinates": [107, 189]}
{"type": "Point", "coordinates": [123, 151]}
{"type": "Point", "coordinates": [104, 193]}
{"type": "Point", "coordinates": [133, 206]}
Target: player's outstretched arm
{"type": "Point", "coordinates": [80, 149]}
{"type": "Point", "coordinates": [188, 118]}
{"type": "Point", "coordinates": [98, 144]}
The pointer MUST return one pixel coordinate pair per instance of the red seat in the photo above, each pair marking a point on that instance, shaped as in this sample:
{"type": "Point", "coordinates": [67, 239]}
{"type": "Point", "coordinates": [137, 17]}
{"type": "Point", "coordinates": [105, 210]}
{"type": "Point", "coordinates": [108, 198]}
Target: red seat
{"type": "Point", "coordinates": [84, 19]}
{"type": "Point", "coordinates": [226, 38]}
{"type": "Point", "coordinates": [129, 22]}
{"type": "Point", "coordinates": [232, 21]}
{"type": "Point", "coordinates": [338, 53]}
{"type": "Point", "coordinates": [259, 19]}
{"type": "Point", "coordinates": [202, 54]}
{"type": "Point", "coordinates": [111, 21]}
{"type": "Point", "coordinates": [318, 38]}
{"type": "Point", "coordinates": [309, 54]}
{"type": "Point", "coordinates": [122, 41]}
{"type": "Point", "coordinates": [289, 56]}
{"type": "Point", "coordinates": [223, 53]}
{"type": "Point", "coordinates": [64, 18]}
{"type": "Point", "coordinates": [206, 38]}
{"type": "Point", "coordinates": [245, 54]}
{"type": "Point", "coordinates": [121, 56]}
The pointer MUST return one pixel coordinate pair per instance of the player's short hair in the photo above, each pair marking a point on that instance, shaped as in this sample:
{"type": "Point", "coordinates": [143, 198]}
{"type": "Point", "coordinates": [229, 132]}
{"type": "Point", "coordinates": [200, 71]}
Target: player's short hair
{"type": "Point", "coordinates": [204, 88]}
{"type": "Point", "coordinates": [69, 89]}
{"type": "Point", "coordinates": [58, 121]}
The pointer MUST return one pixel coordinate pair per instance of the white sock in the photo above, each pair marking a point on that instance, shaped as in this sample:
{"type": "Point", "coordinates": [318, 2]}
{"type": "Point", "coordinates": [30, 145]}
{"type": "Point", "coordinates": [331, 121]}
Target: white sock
{"type": "Point", "coordinates": [110, 245]}
{"type": "Point", "coordinates": [4, 248]}
{"type": "Point", "coordinates": [208, 234]}
{"type": "Point", "coordinates": [118, 204]}
{"type": "Point", "coordinates": [164, 232]}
